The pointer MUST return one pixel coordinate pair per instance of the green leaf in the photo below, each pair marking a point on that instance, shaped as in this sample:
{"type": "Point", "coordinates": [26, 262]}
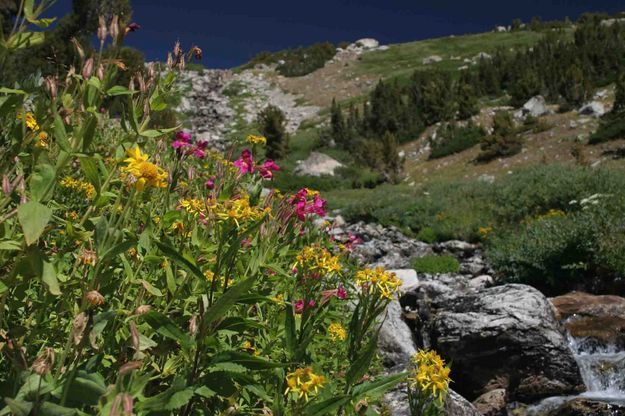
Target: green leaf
{"type": "Point", "coordinates": [115, 251]}
{"type": "Point", "coordinates": [88, 132]}
{"type": "Point", "coordinates": [10, 245]}
{"type": "Point", "coordinates": [158, 132]}
{"type": "Point", "coordinates": [377, 387]}
{"type": "Point", "coordinates": [3, 288]}
{"type": "Point", "coordinates": [119, 90]}
{"type": "Point", "coordinates": [289, 328]}
{"type": "Point", "coordinates": [151, 289]}
{"type": "Point", "coordinates": [246, 360]}
{"type": "Point", "coordinates": [33, 218]}
{"type": "Point", "coordinates": [167, 328]}
{"type": "Point", "coordinates": [42, 180]}
{"type": "Point", "coordinates": [24, 40]}
{"type": "Point", "coordinates": [51, 409]}
{"type": "Point", "coordinates": [86, 388]}
{"type": "Point", "coordinates": [19, 407]}
{"type": "Point", "coordinates": [362, 364]}
{"type": "Point", "coordinates": [326, 407]}
{"type": "Point", "coordinates": [226, 301]}
{"type": "Point", "coordinates": [205, 392]}
{"type": "Point", "coordinates": [179, 258]}
{"type": "Point", "coordinates": [5, 90]}
{"type": "Point", "coordinates": [173, 398]}
{"type": "Point", "coordinates": [90, 167]}
{"type": "Point", "coordinates": [60, 134]}
{"type": "Point", "coordinates": [49, 278]}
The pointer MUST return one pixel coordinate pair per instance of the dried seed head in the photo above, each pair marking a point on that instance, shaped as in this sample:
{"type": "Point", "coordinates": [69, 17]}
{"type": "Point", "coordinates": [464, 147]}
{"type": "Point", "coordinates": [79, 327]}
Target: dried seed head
{"type": "Point", "coordinates": [196, 52]}
{"type": "Point", "coordinates": [170, 61]}
{"type": "Point", "coordinates": [7, 188]}
{"type": "Point", "coordinates": [193, 325]}
{"type": "Point", "coordinates": [44, 362]}
{"type": "Point", "coordinates": [78, 327]}
{"type": "Point", "coordinates": [129, 367]}
{"type": "Point", "coordinates": [88, 257]}
{"type": "Point", "coordinates": [134, 336]}
{"type": "Point", "coordinates": [94, 298]}
{"type": "Point", "coordinates": [87, 69]}
{"type": "Point", "coordinates": [150, 70]}
{"type": "Point", "coordinates": [132, 27]}
{"type": "Point", "coordinates": [127, 403]}
{"type": "Point", "coordinates": [143, 309]}
{"type": "Point", "coordinates": [178, 51]}
{"type": "Point", "coordinates": [102, 31]}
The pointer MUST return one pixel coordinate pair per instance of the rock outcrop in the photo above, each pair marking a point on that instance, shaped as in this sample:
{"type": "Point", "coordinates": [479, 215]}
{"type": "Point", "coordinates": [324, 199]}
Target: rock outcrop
{"type": "Point", "coordinates": [500, 337]}
{"type": "Point", "coordinates": [593, 108]}
{"type": "Point", "coordinates": [535, 107]}
{"type": "Point", "coordinates": [317, 164]}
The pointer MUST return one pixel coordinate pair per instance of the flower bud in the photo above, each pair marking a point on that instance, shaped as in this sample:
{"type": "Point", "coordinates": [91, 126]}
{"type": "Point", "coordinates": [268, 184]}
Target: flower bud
{"type": "Point", "coordinates": [132, 27]}
{"type": "Point", "coordinates": [78, 327]}
{"type": "Point", "coordinates": [7, 189]}
{"type": "Point", "coordinates": [51, 86]}
{"type": "Point", "coordinates": [177, 50]}
{"type": "Point", "coordinates": [170, 61]}
{"type": "Point", "coordinates": [143, 309]}
{"type": "Point", "coordinates": [102, 31]}
{"type": "Point", "coordinates": [193, 325]}
{"type": "Point", "coordinates": [94, 298]}
{"type": "Point", "coordinates": [114, 28]}
{"type": "Point", "coordinates": [87, 69]}
{"type": "Point", "coordinates": [100, 72]}
{"type": "Point", "coordinates": [79, 49]}
{"type": "Point", "coordinates": [141, 82]}
{"type": "Point", "coordinates": [197, 52]}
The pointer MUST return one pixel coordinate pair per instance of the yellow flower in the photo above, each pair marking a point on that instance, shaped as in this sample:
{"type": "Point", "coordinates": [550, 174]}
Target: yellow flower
{"type": "Point", "coordinates": [303, 383]}
{"type": "Point", "coordinates": [239, 210]}
{"type": "Point", "coordinates": [209, 275]}
{"type": "Point", "coordinates": [485, 231]}
{"type": "Point", "coordinates": [192, 205]}
{"type": "Point", "coordinates": [317, 259]}
{"type": "Point", "coordinates": [256, 139]}
{"type": "Point", "coordinates": [42, 140]}
{"type": "Point", "coordinates": [80, 186]}
{"type": "Point", "coordinates": [29, 119]}
{"type": "Point", "coordinates": [430, 374]}
{"type": "Point", "coordinates": [143, 173]}
{"type": "Point", "coordinates": [378, 279]}
{"type": "Point", "coordinates": [337, 332]}
{"type": "Point", "coordinates": [180, 228]}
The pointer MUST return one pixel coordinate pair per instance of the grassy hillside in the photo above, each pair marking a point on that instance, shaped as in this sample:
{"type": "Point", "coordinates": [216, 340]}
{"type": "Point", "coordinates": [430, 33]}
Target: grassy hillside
{"type": "Point", "coordinates": [400, 60]}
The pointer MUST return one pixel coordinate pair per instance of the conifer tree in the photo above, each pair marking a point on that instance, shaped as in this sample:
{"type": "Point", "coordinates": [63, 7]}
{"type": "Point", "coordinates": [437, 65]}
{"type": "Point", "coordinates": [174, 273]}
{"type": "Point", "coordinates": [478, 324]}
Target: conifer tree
{"type": "Point", "coordinates": [272, 123]}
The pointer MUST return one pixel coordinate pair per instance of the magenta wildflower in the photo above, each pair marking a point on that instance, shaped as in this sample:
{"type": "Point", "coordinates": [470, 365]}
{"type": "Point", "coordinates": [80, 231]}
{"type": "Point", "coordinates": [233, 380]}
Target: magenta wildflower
{"type": "Point", "coordinates": [183, 139]}
{"type": "Point", "coordinates": [246, 162]}
{"type": "Point", "coordinates": [210, 183]}
{"type": "Point", "coordinates": [267, 168]}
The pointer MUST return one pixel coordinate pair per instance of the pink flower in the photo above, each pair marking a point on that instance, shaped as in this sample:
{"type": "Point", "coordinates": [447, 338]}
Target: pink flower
{"type": "Point", "coordinates": [303, 206]}
{"type": "Point", "coordinates": [318, 206]}
{"type": "Point", "coordinates": [246, 162]}
{"type": "Point", "coordinates": [246, 243]}
{"type": "Point", "coordinates": [267, 168]}
{"type": "Point", "coordinates": [132, 27]}
{"type": "Point", "coordinates": [210, 183]}
{"type": "Point", "coordinates": [341, 293]}
{"type": "Point", "coordinates": [200, 149]}
{"type": "Point", "coordinates": [183, 139]}
{"type": "Point", "coordinates": [299, 305]}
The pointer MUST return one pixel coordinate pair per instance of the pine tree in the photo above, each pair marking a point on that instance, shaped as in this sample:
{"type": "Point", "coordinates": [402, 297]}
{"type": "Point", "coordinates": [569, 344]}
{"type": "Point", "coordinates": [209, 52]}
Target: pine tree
{"type": "Point", "coordinates": [391, 160]}
{"type": "Point", "coordinates": [338, 127]}
{"type": "Point", "coordinates": [619, 97]}
{"type": "Point", "coordinates": [467, 101]}
{"type": "Point", "coordinates": [272, 122]}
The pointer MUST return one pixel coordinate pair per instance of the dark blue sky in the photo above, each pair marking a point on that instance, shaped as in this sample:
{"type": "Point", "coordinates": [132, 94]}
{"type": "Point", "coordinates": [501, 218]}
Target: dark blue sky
{"type": "Point", "coordinates": [232, 31]}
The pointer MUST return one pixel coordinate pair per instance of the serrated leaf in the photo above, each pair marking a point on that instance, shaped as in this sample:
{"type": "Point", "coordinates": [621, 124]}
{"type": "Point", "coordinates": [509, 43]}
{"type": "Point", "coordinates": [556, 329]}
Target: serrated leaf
{"type": "Point", "coordinates": [205, 392]}
{"type": "Point", "coordinates": [33, 218]}
{"type": "Point", "coordinates": [228, 367]}
{"type": "Point", "coordinates": [226, 301]}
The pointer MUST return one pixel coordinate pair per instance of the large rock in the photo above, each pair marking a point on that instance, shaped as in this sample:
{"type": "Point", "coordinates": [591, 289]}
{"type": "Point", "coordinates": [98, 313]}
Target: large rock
{"type": "Point", "coordinates": [368, 43]}
{"type": "Point", "coordinates": [593, 108]}
{"type": "Point", "coordinates": [600, 318]}
{"type": "Point", "coordinates": [492, 403]}
{"type": "Point", "coordinates": [535, 106]}
{"type": "Point", "coordinates": [317, 164]}
{"type": "Point", "coordinates": [500, 337]}
{"type": "Point", "coordinates": [431, 59]}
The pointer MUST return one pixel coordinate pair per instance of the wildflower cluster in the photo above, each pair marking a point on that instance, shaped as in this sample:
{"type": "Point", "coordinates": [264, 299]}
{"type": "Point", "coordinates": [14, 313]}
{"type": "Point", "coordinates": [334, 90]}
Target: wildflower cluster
{"type": "Point", "coordinates": [239, 210]}
{"type": "Point", "coordinates": [184, 145]}
{"type": "Point", "coordinates": [83, 187]}
{"type": "Point", "coordinates": [379, 281]}
{"type": "Point", "coordinates": [428, 384]}
{"type": "Point", "coordinates": [317, 261]}
{"type": "Point", "coordinates": [252, 139]}
{"type": "Point", "coordinates": [304, 383]}
{"type": "Point", "coordinates": [337, 332]}
{"type": "Point", "coordinates": [142, 173]}
{"type": "Point", "coordinates": [245, 164]}
{"type": "Point", "coordinates": [33, 125]}
{"type": "Point", "coordinates": [308, 202]}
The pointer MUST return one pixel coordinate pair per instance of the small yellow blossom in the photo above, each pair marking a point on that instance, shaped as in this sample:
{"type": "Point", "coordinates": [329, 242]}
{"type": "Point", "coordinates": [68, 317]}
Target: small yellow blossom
{"type": "Point", "coordinates": [317, 259]}
{"type": "Point", "coordinates": [29, 119]}
{"type": "Point", "coordinates": [42, 140]}
{"type": "Point", "coordinates": [337, 332]}
{"type": "Point", "coordinates": [209, 275]}
{"type": "Point", "coordinates": [303, 383]}
{"type": "Point", "coordinates": [430, 374]}
{"type": "Point", "coordinates": [378, 279]}
{"type": "Point", "coordinates": [485, 231]}
{"type": "Point", "coordinates": [192, 206]}
{"type": "Point", "coordinates": [80, 186]}
{"type": "Point", "coordinates": [256, 139]}
{"type": "Point", "coordinates": [143, 173]}
{"type": "Point", "coordinates": [239, 210]}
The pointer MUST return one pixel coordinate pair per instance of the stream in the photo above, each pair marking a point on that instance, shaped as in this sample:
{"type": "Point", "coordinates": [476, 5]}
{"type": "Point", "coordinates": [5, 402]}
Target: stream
{"type": "Point", "coordinates": [602, 369]}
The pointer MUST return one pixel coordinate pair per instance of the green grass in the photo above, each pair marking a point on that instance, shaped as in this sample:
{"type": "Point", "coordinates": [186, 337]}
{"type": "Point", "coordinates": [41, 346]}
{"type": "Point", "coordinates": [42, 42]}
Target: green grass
{"type": "Point", "coordinates": [434, 264]}
{"type": "Point", "coordinates": [400, 60]}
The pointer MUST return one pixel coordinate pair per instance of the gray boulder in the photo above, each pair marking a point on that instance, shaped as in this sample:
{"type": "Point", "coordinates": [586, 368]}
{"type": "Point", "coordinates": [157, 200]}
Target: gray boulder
{"type": "Point", "coordinates": [317, 164]}
{"type": "Point", "coordinates": [502, 337]}
{"type": "Point", "coordinates": [431, 59]}
{"type": "Point", "coordinates": [593, 108]}
{"type": "Point", "coordinates": [535, 106]}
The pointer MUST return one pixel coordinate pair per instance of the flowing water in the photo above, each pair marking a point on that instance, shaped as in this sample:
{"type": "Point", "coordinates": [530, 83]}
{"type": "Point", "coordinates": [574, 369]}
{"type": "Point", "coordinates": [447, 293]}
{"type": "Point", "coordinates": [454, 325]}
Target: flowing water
{"type": "Point", "coordinates": [603, 371]}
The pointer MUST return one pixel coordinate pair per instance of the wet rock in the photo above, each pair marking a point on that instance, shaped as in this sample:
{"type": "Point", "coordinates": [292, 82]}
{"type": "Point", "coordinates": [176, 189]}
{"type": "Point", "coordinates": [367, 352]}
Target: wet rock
{"type": "Point", "coordinates": [581, 407]}
{"type": "Point", "coordinates": [507, 331]}
{"type": "Point", "coordinates": [492, 403]}
{"type": "Point", "coordinates": [317, 164]}
{"type": "Point", "coordinates": [599, 317]}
